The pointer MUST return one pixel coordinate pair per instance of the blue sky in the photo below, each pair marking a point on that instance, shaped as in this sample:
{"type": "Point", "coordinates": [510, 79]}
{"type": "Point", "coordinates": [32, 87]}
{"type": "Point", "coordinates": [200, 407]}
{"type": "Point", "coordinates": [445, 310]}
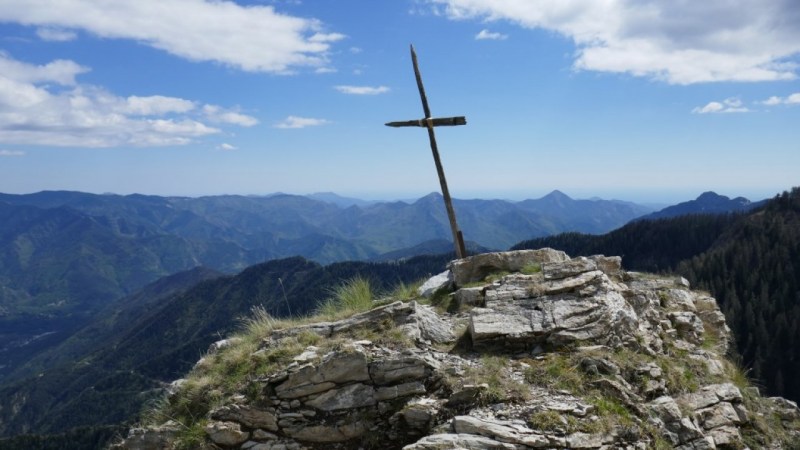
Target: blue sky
{"type": "Point", "coordinates": [645, 101]}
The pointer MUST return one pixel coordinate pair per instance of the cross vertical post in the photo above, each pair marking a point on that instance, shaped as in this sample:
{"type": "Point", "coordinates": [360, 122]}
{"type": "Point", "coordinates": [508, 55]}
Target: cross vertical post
{"type": "Point", "coordinates": [430, 123]}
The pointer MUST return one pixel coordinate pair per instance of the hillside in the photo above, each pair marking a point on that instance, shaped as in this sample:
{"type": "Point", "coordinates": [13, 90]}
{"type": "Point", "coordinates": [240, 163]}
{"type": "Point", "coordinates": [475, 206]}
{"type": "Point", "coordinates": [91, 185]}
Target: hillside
{"type": "Point", "coordinates": [65, 256]}
{"type": "Point", "coordinates": [108, 370]}
{"type": "Point", "coordinates": [750, 262]}
{"type": "Point", "coordinates": [534, 350]}
{"type": "Point", "coordinates": [706, 203]}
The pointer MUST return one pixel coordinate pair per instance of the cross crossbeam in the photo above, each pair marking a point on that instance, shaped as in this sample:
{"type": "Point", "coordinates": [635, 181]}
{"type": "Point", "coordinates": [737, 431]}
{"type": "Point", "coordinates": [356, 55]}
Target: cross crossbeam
{"type": "Point", "coordinates": [430, 123]}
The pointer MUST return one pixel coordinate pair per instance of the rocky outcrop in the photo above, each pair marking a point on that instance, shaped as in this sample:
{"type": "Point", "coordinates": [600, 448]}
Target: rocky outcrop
{"type": "Point", "coordinates": [553, 353]}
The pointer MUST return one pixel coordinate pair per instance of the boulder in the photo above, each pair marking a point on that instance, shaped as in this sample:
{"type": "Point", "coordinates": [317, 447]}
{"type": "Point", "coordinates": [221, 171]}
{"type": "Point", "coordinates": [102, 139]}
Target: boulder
{"type": "Point", "coordinates": [476, 268]}
{"type": "Point", "coordinates": [226, 433]}
{"type": "Point", "coordinates": [435, 283]}
{"type": "Point", "coordinates": [153, 438]}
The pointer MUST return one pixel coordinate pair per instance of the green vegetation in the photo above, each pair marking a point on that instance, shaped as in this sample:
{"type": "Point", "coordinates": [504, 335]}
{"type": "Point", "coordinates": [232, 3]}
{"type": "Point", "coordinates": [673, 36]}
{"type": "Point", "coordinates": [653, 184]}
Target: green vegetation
{"type": "Point", "coordinates": [531, 269]}
{"type": "Point", "coordinates": [159, 334]}
{"type": "Point", "coordinates": [749, 262]}
{"type": "Point", "coordinates": [559, 371]}
{"type": "Point", "coordinates": [493, 372]}
{"type": "Point", "coordinates": [352, 296]}
{"type": "Point", "coordinates": [235, 367]}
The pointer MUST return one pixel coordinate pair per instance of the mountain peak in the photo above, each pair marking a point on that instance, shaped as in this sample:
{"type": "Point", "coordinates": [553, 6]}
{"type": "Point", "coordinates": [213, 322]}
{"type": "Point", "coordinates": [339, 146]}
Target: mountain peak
{"type": "Point", "coordinates": [711, 196]}
{"type": "Point", "coordinates": [557, 195]}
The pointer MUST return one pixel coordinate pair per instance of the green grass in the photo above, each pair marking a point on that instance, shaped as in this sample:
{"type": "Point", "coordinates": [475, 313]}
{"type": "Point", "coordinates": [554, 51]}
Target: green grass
{"type": "Point", "coordinates": [558, 371]}
{"type": "Point", "coordinates": [532, 268]}
{"type": "Point", "coordinates": [351, 297]}
{"type": "Point", "coordinates": [234, 369]}
{"type": "Point", "coordinates": [502, 387]}
{"type": "Point", "coordinates": [547, 421]}
{"type": "Point", "coordinates": [405, 292]}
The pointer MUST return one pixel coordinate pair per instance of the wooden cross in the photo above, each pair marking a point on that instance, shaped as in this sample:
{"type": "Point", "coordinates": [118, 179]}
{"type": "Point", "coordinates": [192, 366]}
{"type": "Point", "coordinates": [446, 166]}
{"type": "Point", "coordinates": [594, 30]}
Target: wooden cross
{"type": "Point", "coordinates": [430, 123]}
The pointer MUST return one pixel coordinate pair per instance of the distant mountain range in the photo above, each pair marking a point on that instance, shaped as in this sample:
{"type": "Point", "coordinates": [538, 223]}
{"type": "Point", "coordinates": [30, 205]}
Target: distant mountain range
{"type": "Point", "coordinates": [706, 203]}
{"type": "Point", "coordinates": [65, 256]}
{"type": "Point", "coordinates": [75, 326]}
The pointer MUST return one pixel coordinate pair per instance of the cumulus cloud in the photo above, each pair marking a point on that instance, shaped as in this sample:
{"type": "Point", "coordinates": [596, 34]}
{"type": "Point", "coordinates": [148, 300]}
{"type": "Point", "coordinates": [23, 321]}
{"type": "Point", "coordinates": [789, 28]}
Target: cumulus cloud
{"type": "Point", "coordinates": [677, 42]}
{"type": "Point", "coordinates": [11, 153]}
{"type": "Point", "coordinates": [56, 35]}
{"type": "Point", "coordinates": [252, 38]}
{"type": "Point", "coordinates": [226, 147]}
{"type": "Point", "coordinates": [300, 122]}
{"type": "Point", "coordinates": [488, 35]}
{"type": "Point", "coordinates": [45, 105]}
{"type": "Point", "coordinates": [220, 115]}
{"type": "Point", "coordinates": [730, 105]}
{"type": "Point", "coordinates": [362, 90]}
{"type": "Point", "coordinates": [793, 99]}
{"type": "Point", "coordinates": [59, 71]}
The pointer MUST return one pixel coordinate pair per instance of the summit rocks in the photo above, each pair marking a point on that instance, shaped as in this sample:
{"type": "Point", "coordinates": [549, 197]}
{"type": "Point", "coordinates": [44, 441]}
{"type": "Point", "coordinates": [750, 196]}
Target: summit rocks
{"type": "Point", "coordinates": [537, 350]}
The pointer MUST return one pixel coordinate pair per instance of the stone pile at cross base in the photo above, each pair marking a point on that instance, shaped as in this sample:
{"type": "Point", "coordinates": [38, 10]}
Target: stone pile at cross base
{"type": "Point", "coordinates": [517, 350]}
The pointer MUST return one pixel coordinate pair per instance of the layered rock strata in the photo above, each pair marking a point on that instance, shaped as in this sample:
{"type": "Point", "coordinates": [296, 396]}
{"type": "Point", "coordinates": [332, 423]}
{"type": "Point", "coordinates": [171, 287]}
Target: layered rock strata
{"type": "Point", "coordinates": [545, 351]}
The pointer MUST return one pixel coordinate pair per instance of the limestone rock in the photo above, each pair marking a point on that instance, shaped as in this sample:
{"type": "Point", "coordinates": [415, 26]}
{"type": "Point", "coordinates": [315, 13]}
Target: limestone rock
{"type": "Point", "coordinates": [248, 416]}
{"type": "Point", "coordinates": [472, 296]}
{"type": "Point", "coordinates": [569, 268]}
{"type": "Point", "coordinates": [550, 355]}
{"type": "Point", "coordinates": [155, 438]}
{"type": "Point", "coordinates": [460, 442]}
{"type": "Point", "coordinates": [347, 397]}
{"type": "Point", "coordinates": [327, 433]}
{"type": "Point", "coordinates": [476, 268]}
{"type": "Point", "coordinates": [501, 430]}
{"type": "Point", "coordinates": [443, 280]}
{"type": "Point", "coordinates": [226, 433]}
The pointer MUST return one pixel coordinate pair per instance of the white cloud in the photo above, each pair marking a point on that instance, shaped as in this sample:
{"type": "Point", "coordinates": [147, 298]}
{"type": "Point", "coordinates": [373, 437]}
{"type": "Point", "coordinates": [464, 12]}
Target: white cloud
{"type": "Point", "coordinates": [45, 105]}
{"type": "Point", "coordinates": [677, 42]}
{"type": "Point", "coordinates": [252, 38]}
{"type": "Point", "coordinates": [488, 35]}
{"type": "Point", "coordinates": [793, 99]}
{"type": "Point", "coordinates": [300, 122]}
{"type": "Point", "coordinates": [226, 147]}
{"type": "Point", "coordinates": [59, 71]}
{"type": "Point", "coordinates": [730, 105]}
{"type": "Point", "coordinates": [220, 115]}
{"type": "Point", "coordinates": [356, 50]}
{"type": "Point", "coordinates": [325, 70]}
{"type": "Point", "coordinates": [56, 34]}
{"type": "Point", "coordinates": [362, 90]}
{"type": "Point", "coordinates": [157, 105]}
{"type": "Point", "coordinates": [11, 153]}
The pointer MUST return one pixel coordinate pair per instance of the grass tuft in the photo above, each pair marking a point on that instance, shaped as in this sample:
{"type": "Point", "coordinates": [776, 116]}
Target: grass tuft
{"type": "Point", "coordinates": [351, 297]}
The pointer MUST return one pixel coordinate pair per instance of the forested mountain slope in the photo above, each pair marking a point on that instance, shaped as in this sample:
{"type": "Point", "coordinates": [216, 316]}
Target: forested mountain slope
{"type": "Point", "coordinates": [749, 262]}
{"type": "Point", "coordinates": [108, 384]}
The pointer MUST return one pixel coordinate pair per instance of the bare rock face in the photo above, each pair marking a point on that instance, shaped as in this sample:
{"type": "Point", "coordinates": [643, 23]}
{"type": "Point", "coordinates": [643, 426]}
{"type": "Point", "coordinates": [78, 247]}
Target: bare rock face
{"type": "Point", "coordinates": [555, 353]}
{"type": "Point", "coordinates": [475, 268]}
{"type": "Point", "coordinates": [153, 438]}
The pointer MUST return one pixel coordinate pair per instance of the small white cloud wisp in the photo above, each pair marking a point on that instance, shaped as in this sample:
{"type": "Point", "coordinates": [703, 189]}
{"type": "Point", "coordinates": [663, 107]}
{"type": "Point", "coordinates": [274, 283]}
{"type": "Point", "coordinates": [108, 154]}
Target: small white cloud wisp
{"type": "Point", "coordinates": [489, 35]}
{"type": "Point", "coordinates": [792, 99]}
{"type": "Point", "coordinates": [362, 90]}
{"type": "Point", "coordinates": [730, 105]}
{"type": "Point", "coordinates": [295, 122]}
